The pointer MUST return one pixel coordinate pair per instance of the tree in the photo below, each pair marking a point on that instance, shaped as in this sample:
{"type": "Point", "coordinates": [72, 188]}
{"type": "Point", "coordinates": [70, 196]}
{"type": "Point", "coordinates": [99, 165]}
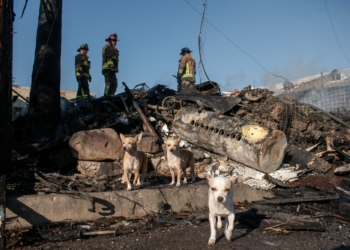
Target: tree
{"type": "Point", "coordinates": [6, 24]}
{"type": "Point", "coordinates": [44, 106]}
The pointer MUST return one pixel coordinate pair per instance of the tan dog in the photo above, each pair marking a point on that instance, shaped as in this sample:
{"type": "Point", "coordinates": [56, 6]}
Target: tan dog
{"type": "Point", "coordinates": [178, 160]}
{"type": "Point", "coordinates": [134, 161]}
{"type": "Point", "coordinates": [221, 204]}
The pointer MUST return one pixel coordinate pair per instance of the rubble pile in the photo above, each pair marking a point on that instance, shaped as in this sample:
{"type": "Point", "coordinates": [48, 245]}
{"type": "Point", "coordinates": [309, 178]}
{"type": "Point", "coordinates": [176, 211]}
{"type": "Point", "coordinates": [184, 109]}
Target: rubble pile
{"type": "Point", "coordinates": [85, 153]}
{"type": "Point", "coordinates": [304, 125]}
{"type": "Point", "coordinates": [294, 158]}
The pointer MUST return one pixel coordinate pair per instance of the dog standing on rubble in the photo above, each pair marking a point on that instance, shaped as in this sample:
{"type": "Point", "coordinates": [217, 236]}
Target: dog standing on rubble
{"type": "Point", "coordinates": [178, 160]}
{"type": "Point", "coordinates": [134, 161]}
{"type": "Point", "coordinates": [221, 204]}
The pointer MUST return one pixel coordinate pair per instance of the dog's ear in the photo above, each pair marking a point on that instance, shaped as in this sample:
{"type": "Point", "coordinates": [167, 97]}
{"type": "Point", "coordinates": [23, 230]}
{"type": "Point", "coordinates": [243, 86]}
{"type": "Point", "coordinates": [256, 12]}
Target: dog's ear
{"type": "Point", "coordinates": [178, 139]}
{"type": "Point", "coordinates": [139, 137]}
{"type": "Point", "coordinates": [236, 179]}
{"type": "Point", "coordinates": [165, 138]}
{"type": "Point", "coordinates": [204, 176]}
{"type": "Point", "coordinates": [122, 137]}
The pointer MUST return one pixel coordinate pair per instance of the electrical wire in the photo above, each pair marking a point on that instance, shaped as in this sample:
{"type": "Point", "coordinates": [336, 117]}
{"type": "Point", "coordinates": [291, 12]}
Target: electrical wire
{"type": "Point", "coordinates": [200, 43]}
{"type": "Point", "coordinates": [335, 34]}
{"type": "Point", "coordinates": [235, 44]}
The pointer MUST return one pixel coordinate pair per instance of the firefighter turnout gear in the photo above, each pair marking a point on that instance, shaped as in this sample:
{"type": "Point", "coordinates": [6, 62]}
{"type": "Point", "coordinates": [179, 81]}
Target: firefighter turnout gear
{"type": "Point", "coordinates": [110, 61]}
{"type": "Point", "coordinates": [186, 74]}
{"type": "Point", "coordinates": [82, 72]}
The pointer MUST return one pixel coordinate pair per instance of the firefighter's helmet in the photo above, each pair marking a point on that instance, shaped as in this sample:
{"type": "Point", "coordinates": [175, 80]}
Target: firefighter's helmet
{"type": "Point", "coordinates": [83, 46]}
{"type": "Point", "coordinates": [112, 37]}
{"type": "Point", "coordinates": [183, 50]}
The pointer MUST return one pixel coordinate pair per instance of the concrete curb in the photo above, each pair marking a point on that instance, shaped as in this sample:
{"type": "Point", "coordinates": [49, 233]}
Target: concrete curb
{"type": "Point", "coordinates": [34, 210]}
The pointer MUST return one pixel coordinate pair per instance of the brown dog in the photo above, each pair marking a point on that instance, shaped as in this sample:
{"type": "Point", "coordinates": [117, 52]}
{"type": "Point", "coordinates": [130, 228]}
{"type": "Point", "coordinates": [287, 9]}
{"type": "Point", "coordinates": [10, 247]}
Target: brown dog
{"type": "Point", "coordinates": [134, 161]}
{"type": "Point", "coordinates": [178, 160]}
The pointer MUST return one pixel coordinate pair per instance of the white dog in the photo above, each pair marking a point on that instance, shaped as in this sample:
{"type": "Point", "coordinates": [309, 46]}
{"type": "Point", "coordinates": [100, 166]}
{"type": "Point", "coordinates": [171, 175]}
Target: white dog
{"type": "Point", "coordinates": [220, 204]}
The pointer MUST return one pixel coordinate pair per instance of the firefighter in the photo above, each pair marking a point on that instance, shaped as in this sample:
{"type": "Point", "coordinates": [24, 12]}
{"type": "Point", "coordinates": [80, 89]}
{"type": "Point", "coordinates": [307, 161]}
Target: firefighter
{"type": "Point", "coordinates": [186, 75]}
{"type": "Point", "coordinates": [110, 60]}
{"type": "Point", "coordinates": [82, 71]}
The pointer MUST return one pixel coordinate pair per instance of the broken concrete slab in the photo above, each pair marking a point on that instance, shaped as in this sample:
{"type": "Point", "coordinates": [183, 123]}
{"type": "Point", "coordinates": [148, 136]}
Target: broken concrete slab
{"type": "Point", "coordinates": [29, 210]}
{"type": "Point", "coordinates": [96, 145]}
{"type": "Point", "coordinates": [246, 193]}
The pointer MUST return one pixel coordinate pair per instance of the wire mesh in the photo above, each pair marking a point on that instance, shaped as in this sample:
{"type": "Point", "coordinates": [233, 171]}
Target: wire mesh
{"type": "Point", "coordinates": [309, 111]}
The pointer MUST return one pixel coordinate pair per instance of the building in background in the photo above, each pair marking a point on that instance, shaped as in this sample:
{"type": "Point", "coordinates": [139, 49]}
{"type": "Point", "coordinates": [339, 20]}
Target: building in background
{"type": "Point", "coordinates": [329, 91]}
{"type": "Point", "coordinates": [21, 103]}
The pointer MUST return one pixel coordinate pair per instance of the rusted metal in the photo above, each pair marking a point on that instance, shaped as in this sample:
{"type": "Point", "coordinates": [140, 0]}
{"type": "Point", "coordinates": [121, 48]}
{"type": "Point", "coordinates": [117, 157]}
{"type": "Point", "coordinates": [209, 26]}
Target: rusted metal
{"type": "Point", "coordinates": [255, 146]}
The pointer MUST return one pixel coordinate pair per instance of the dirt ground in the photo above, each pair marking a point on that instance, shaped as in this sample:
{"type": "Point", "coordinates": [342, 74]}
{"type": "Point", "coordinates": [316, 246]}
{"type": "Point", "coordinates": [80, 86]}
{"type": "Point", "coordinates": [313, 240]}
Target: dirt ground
{"type": "Point", "coordinates": [195, 236]}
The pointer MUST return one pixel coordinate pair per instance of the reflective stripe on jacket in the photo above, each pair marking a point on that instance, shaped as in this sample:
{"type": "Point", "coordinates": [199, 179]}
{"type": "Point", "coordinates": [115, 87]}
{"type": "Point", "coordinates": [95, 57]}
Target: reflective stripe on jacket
{"type": "Point", "coordinates": [187, 68]}
{"type": "Point", "coordinates": [110, 58]}
{"type": "Point", "coordinates": [82, 65]}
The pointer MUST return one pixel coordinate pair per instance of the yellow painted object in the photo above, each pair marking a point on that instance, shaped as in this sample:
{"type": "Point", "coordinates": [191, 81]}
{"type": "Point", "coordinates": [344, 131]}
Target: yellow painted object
{"type": "Point", "coordinates": [254, 133]}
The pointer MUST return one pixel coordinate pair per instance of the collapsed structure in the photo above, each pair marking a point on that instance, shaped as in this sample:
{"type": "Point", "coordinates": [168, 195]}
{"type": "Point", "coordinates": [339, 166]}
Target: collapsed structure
{"type": "Point", "coordinates": [269, 141]}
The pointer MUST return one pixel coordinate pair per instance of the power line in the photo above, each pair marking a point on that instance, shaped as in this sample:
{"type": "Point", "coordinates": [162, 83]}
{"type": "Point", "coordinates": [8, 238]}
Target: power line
{"type": "Point", "coordinates": [329, 16]}
{"type": "Point", "coordinates": [235, 43]}
{"type": "Point", "coordinates": [200, 42]}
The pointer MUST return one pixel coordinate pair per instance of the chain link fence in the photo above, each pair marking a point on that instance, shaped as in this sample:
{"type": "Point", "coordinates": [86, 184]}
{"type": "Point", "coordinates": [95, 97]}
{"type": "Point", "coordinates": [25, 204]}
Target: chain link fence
{"type": "Point", "coordinates": [325, 93]}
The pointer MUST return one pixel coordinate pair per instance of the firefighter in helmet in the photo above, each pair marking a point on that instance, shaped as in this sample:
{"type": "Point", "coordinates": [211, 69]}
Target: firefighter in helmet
{"type": "Point", "coordinates": [82, 71]}
{"type": "Point", "coordinates": [186, 75]}
{"type": "Point", "coordinates": [110, 59]}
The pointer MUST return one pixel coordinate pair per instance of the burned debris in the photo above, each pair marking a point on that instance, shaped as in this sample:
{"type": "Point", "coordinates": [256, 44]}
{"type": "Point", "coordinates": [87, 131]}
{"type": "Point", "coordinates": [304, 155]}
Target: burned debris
{"type": "Point", "coordinates": [288, 153]}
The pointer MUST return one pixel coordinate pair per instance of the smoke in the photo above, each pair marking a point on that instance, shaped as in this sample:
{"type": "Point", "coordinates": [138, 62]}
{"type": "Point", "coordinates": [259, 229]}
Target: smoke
{"type": "Point", "coordinates": [237, 81]}
{"type": "Point", "coordinates": [294, 69]}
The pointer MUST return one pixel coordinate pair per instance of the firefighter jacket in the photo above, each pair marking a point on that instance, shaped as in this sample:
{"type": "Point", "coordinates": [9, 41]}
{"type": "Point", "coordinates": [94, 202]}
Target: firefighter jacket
{"type": "Point", "coordinates": [110, 59]}
{"type": "Point", "coordinates": [82, 66]}
{"type": "Point", "coordinates": [187, 68]}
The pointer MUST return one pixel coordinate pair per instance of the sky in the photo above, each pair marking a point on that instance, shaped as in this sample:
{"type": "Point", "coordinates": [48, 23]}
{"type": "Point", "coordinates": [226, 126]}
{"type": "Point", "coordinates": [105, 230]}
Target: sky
{"type": "Point", "coordinates": [243, 42]}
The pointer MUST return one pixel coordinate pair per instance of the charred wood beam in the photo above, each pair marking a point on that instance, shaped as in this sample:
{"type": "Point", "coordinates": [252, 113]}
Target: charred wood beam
{"type": "Point", "coordinates": [124, 104]}
{"type": "Point", "coordinates": [300, 200]}
{"type": "Point", "coordinates": [149, 127]}
{"type": "Point", "coordinates": [325, 213]}
{"type": "Point", "coordinates": [297, 225]}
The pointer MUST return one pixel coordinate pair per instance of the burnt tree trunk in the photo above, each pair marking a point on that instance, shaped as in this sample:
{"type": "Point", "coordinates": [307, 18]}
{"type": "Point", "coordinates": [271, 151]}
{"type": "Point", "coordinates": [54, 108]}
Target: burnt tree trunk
{"type": "Point", "coordinates": [44, 106]}
{"type": "Point", "coordinates": [6, 22]}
